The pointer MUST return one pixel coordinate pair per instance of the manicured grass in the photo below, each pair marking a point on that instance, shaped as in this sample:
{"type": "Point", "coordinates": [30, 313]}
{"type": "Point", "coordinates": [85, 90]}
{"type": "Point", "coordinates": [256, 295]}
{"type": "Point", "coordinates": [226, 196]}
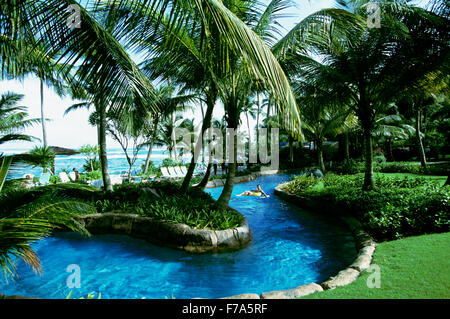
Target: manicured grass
{"type": "Point", "coordinates": [411, 268]}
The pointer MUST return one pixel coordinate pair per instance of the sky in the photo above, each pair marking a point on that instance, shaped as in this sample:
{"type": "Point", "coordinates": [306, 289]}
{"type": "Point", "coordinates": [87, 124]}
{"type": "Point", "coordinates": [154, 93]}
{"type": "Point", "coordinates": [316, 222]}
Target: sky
{"type": "Point", "coordinates": [73, 130]}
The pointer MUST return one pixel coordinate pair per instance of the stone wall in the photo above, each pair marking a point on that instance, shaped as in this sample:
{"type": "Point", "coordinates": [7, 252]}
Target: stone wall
{"type": "Point", "coordinates": [177, 236]}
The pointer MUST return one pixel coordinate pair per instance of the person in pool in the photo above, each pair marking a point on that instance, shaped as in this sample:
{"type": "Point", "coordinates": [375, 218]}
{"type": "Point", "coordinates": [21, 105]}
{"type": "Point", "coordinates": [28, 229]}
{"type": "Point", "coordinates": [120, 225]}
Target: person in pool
{"type": "Point", "coordinates": [256, 192]}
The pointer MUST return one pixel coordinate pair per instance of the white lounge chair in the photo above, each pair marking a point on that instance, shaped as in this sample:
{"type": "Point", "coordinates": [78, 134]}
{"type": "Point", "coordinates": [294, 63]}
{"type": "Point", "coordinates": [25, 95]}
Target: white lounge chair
{"type": "Point", "coordinates": [63, 177]}
{"type": "Point", "coordinates": [44, 179]}
{"type": "Point", "coordinates": [183, 170]}
{"type": "Point", "coordinates": [165, 173]}
{"type": "Point", "coordinates": [97, 183]}
{"type": "Point", "coordinates": [179, 171]}
{"type": "Point", "coordinates": [72, 176]}
{"type": "Point", "coordinates": [172, 172]}
{"type": "Point", "coordinates": [116, 179]}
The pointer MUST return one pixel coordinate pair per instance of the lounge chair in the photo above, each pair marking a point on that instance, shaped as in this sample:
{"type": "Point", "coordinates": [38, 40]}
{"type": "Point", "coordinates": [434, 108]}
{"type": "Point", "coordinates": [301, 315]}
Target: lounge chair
{"type": "Point", "coordinates": [97, 183]}
{"type": "Point", "coordinates": [63, 177]}
{"type": "Point", "coordinates": [116, 179]}
{"type": "Point", "coordinates": [172, 172]}
{"type": "Point", "coordinates": [44, 179]}
{"type": "Point", "coordinates": [72, 176]}
{"type": "Point", "coordinates": [165, 173]}
{"type": "Point", "coordinates": [183, 170]}
{"type": "Point", "coordinates": [179, 171]}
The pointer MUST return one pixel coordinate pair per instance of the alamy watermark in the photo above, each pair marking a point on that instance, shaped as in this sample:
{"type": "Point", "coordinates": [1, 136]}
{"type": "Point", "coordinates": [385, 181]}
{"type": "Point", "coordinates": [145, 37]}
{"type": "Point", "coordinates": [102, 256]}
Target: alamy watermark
{"type": "Point", "coordinates": [374, 279]}
{"type": "Point", "coordinates": [74, 279]}
{"type": "Point", "coordinates": [74, 20]}
{"type": "Point", "coordinates": [373, 15]}
{"type": "Point", "coordinates": [219, 148]}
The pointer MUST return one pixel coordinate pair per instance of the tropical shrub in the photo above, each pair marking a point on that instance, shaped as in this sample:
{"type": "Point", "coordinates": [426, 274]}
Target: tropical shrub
{"type": "Point", "coordinates": [89, 176]}
{"type": "Point", "coordinates": [168, 162]}
{"type": "Point", "coordinates": [399, 207]}
{"type": "Point", "coordinates": [299, 184]}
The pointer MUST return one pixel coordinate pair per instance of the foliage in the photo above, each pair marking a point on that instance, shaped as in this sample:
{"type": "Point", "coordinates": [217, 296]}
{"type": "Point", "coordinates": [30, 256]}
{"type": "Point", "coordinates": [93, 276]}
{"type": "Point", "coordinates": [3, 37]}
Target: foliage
{"type": "Point", "coordinates": [398, 207]}
{"type": "Point", "coordinates": [299, 184]}
{"type": "Point", "coordinates": [167, 162]}
{"type": "Point", "coordinates": [28, 215]}
{"type": "Point", "coordinates": [92, 163]}
{"type": "Point", "coordinates": [89, 176]}
{"type": "Point", "coordinates": [41, 156]}
{"type": "Point", "coordinates": [14, 119]}
{"type": "Point", "coordinates": [195, 208]}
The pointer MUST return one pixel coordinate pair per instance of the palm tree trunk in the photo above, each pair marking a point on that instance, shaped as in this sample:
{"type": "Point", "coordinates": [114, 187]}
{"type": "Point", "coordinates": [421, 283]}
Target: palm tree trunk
{"type": "Point", "coordinates": [257, 124]}
{"type": "Point", "coordinates": [150, 147]}
{"type": "Point", "coordinates": [222, 202]}
{"type": "Point", "coordinates": [346, 147]}
{"type": "Point", "coordinates": [390, 156]}
{"type": "Point", "coordinates": [268, 126]}
{"type": "Point", "coordinates": [291, 149]}
{"type": "Point", "coordinates": [205, 179]}
{"type": "Point", "coordinates": [102, 145]}
{"type": "Point", "coordinates": [369, 180]}
{"type": "Point", "coordinates": [211, 101]}
{"type": "Point", "coordinates": [320, 155]}
{"type": "Point", "coordinates": [44, 129]}
{"type": "Point", "coordinates": [203, 119]}
{"type": "Point", "coordinates": [422, 156]}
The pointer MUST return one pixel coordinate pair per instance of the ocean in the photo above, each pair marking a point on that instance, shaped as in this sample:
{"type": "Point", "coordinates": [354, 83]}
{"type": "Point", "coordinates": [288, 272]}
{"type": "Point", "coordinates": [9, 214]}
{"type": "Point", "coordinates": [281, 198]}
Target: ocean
{"type": "Point", "coordinates": [117, 162]}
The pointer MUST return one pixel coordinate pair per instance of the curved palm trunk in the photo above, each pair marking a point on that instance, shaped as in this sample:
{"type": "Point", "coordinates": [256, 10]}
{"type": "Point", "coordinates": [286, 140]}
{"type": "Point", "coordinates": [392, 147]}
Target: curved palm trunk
{"type": "Point", "coordinates": [222, 202]}
{"type": "Point", "coordinates": [211, 100]}
{"type": "Point", "coordinates": [44, 129]}
{"type": "Point", "coordinates": [102, 145]}
{"type": "Point", "coordinates": [422, 156]}
{"type": "Point", "coordinates": [257, 123]}
{"type": "Point", "coordinates": [150, 147]}
{"type": "Point", "coordinates": [205, 179]}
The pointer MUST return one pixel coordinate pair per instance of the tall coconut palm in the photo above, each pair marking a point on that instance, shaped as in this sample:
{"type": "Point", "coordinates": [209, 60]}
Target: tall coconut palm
{"type": "Point", "coordinates": [168, 103]}
{"type": "Point", "coordinates": [211, 23]}
{"type": "Point", "coordinates": [13, 120]}
{"type": "Point", "coordinates": [367, 65]}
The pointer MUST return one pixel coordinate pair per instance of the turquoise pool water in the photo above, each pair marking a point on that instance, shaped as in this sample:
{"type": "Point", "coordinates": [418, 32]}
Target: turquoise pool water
{"type": "Point", "coordinates": [290, 247]}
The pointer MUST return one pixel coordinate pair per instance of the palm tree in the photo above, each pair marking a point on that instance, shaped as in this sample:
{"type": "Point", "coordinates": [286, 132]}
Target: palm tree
{"type": "Point", "coordinates": [203, 42]}
{"type": "Point", "coordinates": [13, 120]}
{"type": "Point", "coordinates": [98, 119]}
{"type": "Point", "coordinates": [364, 67]}
{"type": "Point", "coordinates": [166, 133]}
{"type": "Point", "coordinates": [40, 157]}
{"type": "Point", "coordinates": [31, 221]}
{"type": "Point", "coordinates": [168, 103]}
{"type": "Point", "coordinates": [49, 73]}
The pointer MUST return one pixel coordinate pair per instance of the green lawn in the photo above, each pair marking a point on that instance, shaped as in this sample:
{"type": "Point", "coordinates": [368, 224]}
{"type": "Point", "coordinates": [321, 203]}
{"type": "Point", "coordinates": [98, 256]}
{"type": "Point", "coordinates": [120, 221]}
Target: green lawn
{"type": "Point", "coordinates": [411, 268]}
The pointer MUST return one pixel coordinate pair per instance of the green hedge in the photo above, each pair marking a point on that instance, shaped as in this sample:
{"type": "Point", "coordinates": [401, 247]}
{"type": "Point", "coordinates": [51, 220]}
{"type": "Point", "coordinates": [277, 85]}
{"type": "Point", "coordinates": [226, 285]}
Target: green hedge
{"type": "Point", "coordinates": [398, 207]}
{"type": "Point", "coordinates": [379, 165]}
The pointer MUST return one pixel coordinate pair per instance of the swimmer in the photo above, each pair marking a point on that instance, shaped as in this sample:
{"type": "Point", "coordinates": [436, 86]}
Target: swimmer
{"type": "Point", "coordinates": [255, 192]}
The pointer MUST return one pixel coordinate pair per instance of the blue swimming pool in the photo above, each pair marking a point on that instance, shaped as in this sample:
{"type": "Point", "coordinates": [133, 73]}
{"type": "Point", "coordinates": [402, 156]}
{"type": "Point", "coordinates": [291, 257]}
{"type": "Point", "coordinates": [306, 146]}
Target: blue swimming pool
{"type": "Point", "coordinates": [290, 247]}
